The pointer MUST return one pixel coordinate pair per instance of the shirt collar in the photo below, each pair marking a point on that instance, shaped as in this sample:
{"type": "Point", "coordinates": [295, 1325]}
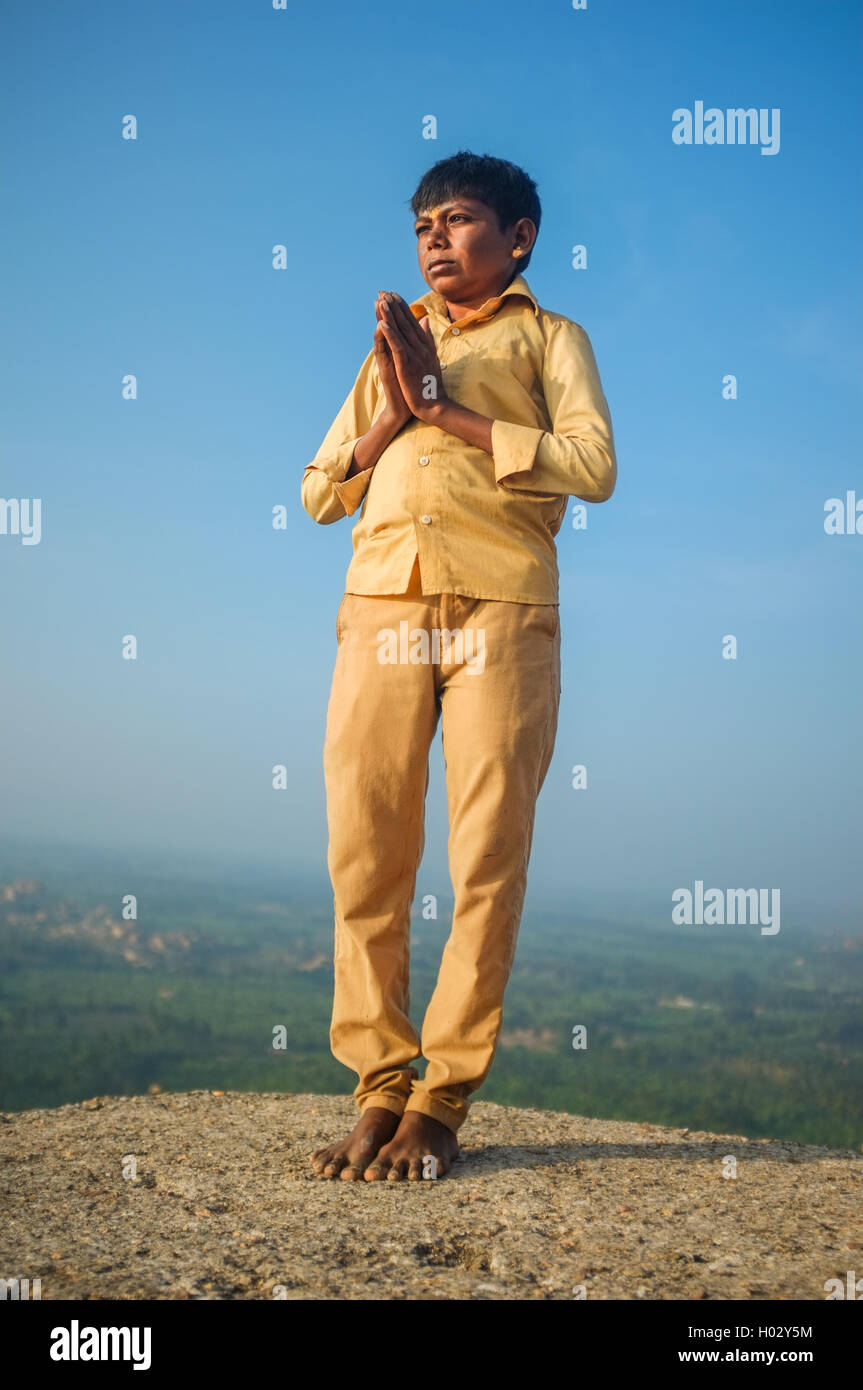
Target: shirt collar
{"type": "Point", "coordinates": [435, 303]}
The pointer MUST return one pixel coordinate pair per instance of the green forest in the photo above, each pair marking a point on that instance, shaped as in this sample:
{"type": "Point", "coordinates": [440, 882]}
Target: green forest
{"type": "Point", "coordinates": [711, 1028]}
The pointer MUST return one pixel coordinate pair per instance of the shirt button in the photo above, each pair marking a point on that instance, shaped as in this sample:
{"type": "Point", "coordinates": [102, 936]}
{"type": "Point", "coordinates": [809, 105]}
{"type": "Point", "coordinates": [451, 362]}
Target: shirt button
{"type": "Point", "coordinates": [426, 520]}
{"type": "Point", "coordinates": [456, 332]}
{"type": "Point", "coordinates": [443, 366]}
{"type": "Point", "coordinates": [425, 459]}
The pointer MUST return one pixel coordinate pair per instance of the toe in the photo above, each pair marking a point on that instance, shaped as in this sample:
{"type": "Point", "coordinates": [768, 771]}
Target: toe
{"type": "Point", "coordinates": [415, 1170]}
{"type": "Point", "coordinates": [398, 1170]}
{"type": "Point", "coordinates": [352, 1172]}
{"type": "Point", "coordinates": [375, 1172]}
{"type": "Point", "coordinates": [446, 1161]}
{"type": "Point", "coordinates": [335, 1166]}
{"type": "Point", "coordinates": [321, 1157]}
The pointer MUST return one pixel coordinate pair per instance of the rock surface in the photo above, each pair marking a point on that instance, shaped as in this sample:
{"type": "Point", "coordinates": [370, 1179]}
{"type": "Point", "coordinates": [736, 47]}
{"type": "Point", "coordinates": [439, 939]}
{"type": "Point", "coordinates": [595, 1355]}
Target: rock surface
{"type": "Point", "coordinates": [210, 1196]}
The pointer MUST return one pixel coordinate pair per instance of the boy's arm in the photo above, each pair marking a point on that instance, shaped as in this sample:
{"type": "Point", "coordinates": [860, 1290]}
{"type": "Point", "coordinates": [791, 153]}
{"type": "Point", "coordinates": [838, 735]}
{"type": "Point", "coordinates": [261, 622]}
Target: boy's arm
{"type": "Point", "coordinates": [333, 485]}
{"type": "Point", "coordinates": [576, 457]}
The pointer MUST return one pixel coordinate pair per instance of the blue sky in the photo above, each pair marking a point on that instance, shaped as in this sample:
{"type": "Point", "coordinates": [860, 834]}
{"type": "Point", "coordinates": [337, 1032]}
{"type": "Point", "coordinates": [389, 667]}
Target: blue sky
{"type": "Point", "coordinates": [304, 127]}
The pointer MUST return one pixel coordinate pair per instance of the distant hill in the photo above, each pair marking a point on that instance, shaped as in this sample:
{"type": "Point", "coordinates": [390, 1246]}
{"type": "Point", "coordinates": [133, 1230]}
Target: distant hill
{"type": "Point", "coordinates": [228, 985]}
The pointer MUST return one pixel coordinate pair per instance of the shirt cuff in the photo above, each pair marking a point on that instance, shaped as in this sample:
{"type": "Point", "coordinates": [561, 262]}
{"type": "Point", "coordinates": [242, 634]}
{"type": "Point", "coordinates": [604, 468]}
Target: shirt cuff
{"type": "Point", "coordinates": [513, 448]}
{"type": "Point", "coordinates": [336, 464]}
{"type": "Point", "coordinates": [352, 491]}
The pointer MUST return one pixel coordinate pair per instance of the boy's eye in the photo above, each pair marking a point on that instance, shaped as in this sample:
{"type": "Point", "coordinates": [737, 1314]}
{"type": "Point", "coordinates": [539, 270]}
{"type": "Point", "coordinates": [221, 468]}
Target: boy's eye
{"type": "Point", "coordinates": [425, 226]}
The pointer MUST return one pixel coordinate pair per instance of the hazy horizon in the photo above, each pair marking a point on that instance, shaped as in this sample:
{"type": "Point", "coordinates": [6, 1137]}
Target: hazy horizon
{"type": "Point", "coordinates": [60, 862]}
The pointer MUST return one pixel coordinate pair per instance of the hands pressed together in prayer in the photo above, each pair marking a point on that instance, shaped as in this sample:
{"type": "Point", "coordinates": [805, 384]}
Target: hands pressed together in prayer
{"type": "Point", "coordinates": [407, 360]}
{"type": "Point", "coordinates": [412, 379]}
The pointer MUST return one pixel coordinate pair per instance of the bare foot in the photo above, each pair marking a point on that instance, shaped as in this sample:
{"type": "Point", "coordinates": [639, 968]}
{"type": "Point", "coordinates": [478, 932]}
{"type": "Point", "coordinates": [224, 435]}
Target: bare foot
{"type": "Point", "coordinates": [352, 1156]}
{"type": "Point", "coordinates": [417, 1139]}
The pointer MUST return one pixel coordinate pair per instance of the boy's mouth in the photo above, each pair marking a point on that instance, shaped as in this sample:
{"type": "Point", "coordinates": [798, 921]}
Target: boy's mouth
{"type": "Point", "coordinates": [440, 265]}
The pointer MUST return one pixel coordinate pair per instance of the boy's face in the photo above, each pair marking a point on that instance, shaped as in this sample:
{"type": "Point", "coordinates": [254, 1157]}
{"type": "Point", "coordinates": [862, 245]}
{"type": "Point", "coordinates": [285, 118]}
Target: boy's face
{"type": "Point", "coordinates": [462, 252]}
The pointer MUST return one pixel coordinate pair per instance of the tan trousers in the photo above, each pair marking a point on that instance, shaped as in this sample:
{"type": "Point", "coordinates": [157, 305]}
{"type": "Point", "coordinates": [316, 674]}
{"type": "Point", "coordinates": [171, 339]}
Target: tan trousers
{"type": "Point", "coordinates": [497, 694]}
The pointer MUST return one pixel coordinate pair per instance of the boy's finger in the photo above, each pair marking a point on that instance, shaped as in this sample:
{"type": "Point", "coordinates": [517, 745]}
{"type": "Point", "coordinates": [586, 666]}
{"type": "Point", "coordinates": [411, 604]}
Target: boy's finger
{"type": "Point", "coordinates": [390, 323]}
{"type": "Point", "coordinates": [403, 314]}
{"type": "Point", "coordinates": [403, 317]}
{"type": "Point", "coordinates": [383, 350]}
{"type": "Point", "coordinates": [421, 330]}
{"type": "Point", "coordinates": [416, 326]}
{"type": "Point", "coordinates": [394, 339]}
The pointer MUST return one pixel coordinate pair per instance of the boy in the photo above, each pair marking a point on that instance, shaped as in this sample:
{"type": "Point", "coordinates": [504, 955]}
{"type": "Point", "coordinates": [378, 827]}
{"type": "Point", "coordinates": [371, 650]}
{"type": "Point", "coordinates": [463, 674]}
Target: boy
{"type": "Point", "coordinates": [473, 418]}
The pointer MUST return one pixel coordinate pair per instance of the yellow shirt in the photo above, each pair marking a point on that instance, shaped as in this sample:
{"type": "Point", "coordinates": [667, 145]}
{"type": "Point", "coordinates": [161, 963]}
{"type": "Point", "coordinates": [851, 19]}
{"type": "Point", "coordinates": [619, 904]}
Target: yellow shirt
{"type": "Point", "coordinates": [482, 525]}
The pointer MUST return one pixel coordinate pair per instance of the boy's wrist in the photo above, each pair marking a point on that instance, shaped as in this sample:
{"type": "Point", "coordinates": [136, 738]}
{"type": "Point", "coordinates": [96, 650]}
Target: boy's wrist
{"type": "Point", "coordinates": [395, 418]}
{"type": "Point", "coordinates": [437, 411]}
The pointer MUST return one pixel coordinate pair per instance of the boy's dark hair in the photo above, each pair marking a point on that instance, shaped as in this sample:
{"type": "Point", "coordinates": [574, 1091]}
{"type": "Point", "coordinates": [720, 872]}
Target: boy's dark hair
{"type": "Point", "coordinates": [503, 186]}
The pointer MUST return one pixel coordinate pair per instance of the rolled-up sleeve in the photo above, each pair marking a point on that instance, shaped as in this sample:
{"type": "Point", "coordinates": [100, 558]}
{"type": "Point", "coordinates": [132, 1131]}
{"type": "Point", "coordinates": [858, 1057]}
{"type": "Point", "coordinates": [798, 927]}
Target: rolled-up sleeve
{"type": "Point", "coordinates": [576, 457]}
{"type": "Point", "coordinates": [327, 493]}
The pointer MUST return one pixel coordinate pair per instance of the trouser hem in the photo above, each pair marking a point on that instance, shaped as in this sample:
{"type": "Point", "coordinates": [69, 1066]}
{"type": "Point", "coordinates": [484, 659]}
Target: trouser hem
{"type": "Point", "coordinates": [452, 1117]}
{"type": "Point", "coordinates": [394, 1103]}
